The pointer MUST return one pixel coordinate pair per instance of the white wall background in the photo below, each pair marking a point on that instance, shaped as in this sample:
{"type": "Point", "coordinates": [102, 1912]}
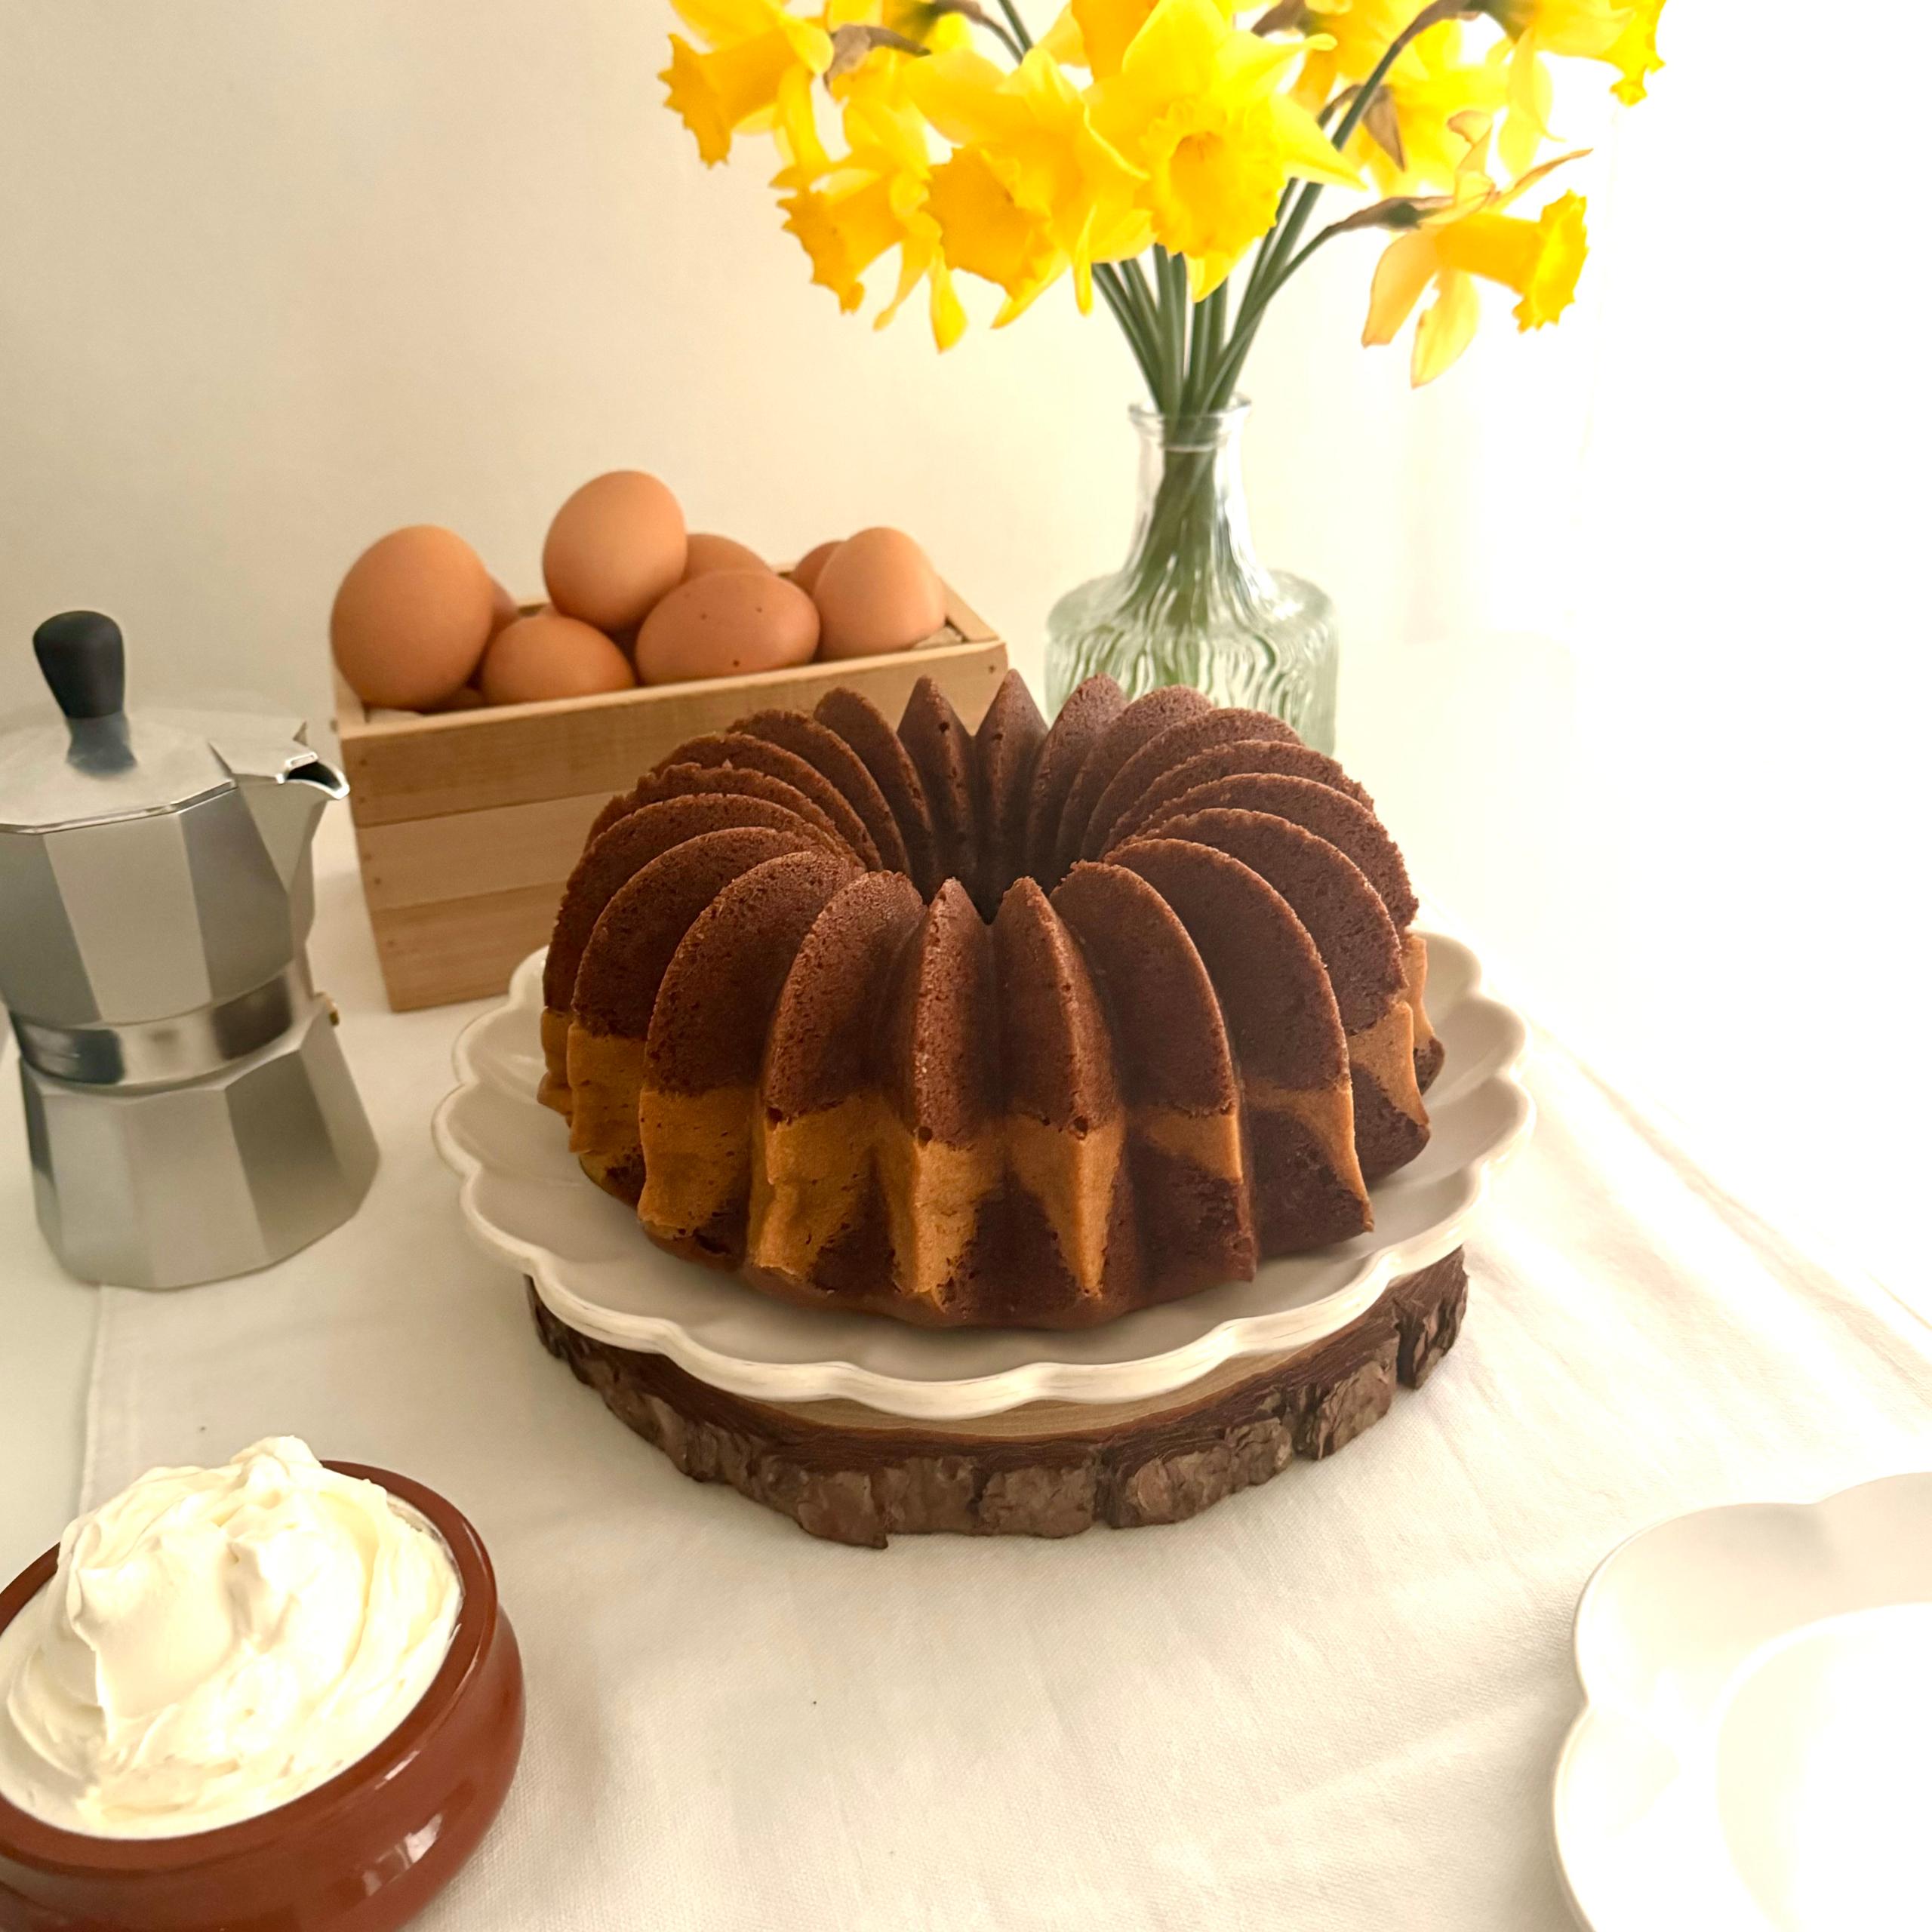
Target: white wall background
{"type": "Point", "coordinates": [1633, 609]}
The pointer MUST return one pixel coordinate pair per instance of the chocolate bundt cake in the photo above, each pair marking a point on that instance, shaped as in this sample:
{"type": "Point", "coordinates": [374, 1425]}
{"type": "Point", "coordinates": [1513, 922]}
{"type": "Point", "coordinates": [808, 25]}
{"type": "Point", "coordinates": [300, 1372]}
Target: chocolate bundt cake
{"type": "Point", "coordinates": [1013, 1026]}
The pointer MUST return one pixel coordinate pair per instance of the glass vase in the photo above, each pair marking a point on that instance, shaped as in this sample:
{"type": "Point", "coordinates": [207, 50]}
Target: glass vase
{"type": "Point", "coordinates": [1194, 604]}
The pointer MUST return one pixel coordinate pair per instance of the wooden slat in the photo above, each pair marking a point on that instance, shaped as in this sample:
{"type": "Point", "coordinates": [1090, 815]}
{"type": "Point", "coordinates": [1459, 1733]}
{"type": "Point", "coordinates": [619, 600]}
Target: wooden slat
{"type": "Point", "coordinates": [960, 617]}
{"type": "Point", "coordinates": [463, 949]}
{"type": "Point", "coordinates": [467, 855]}
{"type": "Point", "coordinates": [350, 717]}
{"type": "Point", "coordinates": [468, 823]}
{"type": "Point", "coordinates": [408, 768]}
{"type": "Point", "coordinates": [472, 761]}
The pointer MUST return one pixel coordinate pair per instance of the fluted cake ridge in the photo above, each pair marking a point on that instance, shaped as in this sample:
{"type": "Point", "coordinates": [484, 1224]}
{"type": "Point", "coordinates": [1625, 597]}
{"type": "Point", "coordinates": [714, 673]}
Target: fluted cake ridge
{"type": "Point", "coordinates": [1023, 1027]}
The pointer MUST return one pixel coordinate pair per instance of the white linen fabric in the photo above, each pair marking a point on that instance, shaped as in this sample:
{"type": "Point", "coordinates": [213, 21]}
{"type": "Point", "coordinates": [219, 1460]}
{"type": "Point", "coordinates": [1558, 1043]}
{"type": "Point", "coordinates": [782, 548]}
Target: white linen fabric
{"type": "Point", "coordinates": [1334, 1701]}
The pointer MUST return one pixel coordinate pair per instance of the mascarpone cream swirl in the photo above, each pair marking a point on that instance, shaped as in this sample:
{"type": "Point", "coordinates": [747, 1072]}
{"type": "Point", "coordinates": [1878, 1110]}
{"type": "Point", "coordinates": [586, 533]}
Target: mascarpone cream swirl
{"type": "Point", "coordinates": [216, 1642]}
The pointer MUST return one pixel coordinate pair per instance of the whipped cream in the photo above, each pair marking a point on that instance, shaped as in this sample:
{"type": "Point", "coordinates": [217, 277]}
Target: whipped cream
{"type": "Point", "coordinates": [216, 1642]}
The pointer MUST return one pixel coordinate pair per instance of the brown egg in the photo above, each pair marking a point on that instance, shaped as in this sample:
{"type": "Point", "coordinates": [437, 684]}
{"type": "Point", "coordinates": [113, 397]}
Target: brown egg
{"type": "Point", "coordinates": [502, 607]}
{"type": "Point", "coordinates": [614, 549]}
{"type": "Point", "coordinates": [804, 572]}
{"type": "Point", "coordinates": [876, 592]}
{"type": "Point", "coordinates": [411, 618]}
{"type": "Point", "coordinates": [724, 623]}
{"type": "Point", "coordinates": [704, 553]}
{"type": "Point", "coordinates": [548, 655]}
{"type": "Point", "coordinates": [465, 697]}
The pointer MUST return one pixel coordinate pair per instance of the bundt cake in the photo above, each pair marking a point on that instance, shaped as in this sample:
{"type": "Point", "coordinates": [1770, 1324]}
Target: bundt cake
{"type": "Point", "coordinates": [1020, 1026]}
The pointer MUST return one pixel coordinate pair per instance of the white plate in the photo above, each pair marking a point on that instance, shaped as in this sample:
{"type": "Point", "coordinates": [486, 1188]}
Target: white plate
{"type": "Point", "coordinates": [526, 1200]}
{"type": "Point", "coordinates": [1755, 1753]}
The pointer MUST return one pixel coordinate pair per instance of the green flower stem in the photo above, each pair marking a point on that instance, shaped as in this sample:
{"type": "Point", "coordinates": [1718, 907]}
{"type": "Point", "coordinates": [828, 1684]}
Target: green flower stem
{"type": "Point", "coordinates": [1204, 352]}
{"type": "Point", "coordinates": [1182, 561]}
{"type": "Point", "coordinates": [1134, 280]}
{"type": "Point", "coordinates": [1221, 387]}
{"type": "Point", "coordinates": [1005, 39]}
{"type": "Point", "coordinates": [1174, 310]}
{"type": "Point", "coordinates": [1018, 25]}
{"type": "Point", "coordinates": [1170, 286]}
{"type": "Point", "coordinates": [1276, 260]}
{"type": "Point", "coordinates": [1121, 303]}
{"type": "Point", "coordinates": [1139, 339]}
{"type": "Point", "coordinates": [1177, 560]}
{"type": "Point", "coordinates": [1187, 561]}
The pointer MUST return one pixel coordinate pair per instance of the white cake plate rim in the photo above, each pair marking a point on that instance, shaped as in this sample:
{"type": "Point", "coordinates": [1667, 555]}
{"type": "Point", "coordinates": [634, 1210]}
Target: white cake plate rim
{"type": "Point", "coordinates": [940, 1375]}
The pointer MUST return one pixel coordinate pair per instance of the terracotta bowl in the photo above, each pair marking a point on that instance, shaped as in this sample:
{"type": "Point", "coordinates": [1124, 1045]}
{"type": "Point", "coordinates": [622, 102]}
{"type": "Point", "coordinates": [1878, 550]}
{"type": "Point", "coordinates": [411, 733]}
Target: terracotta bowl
{"type": "Point", "coordinates": [364, 1852]}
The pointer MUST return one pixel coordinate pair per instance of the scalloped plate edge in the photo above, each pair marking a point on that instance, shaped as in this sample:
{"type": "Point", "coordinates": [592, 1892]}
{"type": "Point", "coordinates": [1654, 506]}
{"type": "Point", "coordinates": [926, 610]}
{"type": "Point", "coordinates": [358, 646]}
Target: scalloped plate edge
{"type": "Point", "coordinates": [1595, 1729]}
{"type": "Point", "coordinates": [965, 1398]}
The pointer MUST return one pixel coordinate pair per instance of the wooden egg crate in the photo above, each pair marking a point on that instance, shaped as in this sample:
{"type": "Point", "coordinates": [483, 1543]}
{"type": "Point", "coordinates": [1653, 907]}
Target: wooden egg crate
{"type": "Point", "coordinates": [468, 823]}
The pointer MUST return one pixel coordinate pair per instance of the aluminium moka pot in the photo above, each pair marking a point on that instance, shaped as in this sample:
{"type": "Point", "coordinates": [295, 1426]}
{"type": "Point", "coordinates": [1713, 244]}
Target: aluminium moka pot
{"type": "Point", "coordinates": [190, 1116]}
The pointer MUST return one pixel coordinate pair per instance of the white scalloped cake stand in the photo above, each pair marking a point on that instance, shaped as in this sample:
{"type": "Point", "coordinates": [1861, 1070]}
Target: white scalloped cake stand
{"type": "Point", "coordinates": [528, 1203]}
{"type": "Point", "coordinates": [1752, 1754]}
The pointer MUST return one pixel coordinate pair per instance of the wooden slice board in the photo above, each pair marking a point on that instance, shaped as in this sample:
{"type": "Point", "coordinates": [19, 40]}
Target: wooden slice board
{"type": "Point", "coordinates": [845, 1472]}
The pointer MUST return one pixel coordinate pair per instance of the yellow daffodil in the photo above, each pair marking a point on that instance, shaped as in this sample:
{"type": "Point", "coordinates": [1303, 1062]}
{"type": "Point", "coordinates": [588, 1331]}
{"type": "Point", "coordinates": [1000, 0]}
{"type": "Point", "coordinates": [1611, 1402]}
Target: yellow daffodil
{"type": "Point", "coordinates": [1468, 236]}
{"type": "Point", "coordinates": [1062, 41]}
{"type": "Point", "coordinates": [873, 200]}
{"type": "Point", "coordinates": [881, 80]}
{"type": "Point", "coordinates": [1349, 37]}
{"type": "Point", "coordinates": [921, 258]}
{"type": "Point", "coordinates": [1199, 107]}
{"type": "Point", "coordinates": [943, 32]}
{"type": "Point", "coordinates": [1189, 134]}
{"type": "Point", "coordinates": [1030, 131]}
{"type": "Point", "coordinates": [1107, 28]}
{"type": "Point", "coordinates": [916, 19]}
{"type": "Point", "coordinates": [1406, 144]}
{"type": "Point", "coordinates": [757, 76]}
{"type": "Point", "coordinates": [1429, 95]}
{"type": "Point", "coordinates": [1620, 33]}
{"type": "Point", "coordinates": [1634, 52]}
{"type": "Point", "coordinates": [931, 24]}
{"type": "Point", "coordinates": [1583, 28]}
{"type": "Point", "coordinates": [844, 231]}
{"type": "Point", "coordinates": [985, 232]}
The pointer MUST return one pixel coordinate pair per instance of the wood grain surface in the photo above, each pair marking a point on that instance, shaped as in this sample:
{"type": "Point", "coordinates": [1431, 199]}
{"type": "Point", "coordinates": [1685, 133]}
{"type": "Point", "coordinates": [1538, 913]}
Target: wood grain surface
{"type": "Point", "coordinates": [853, 1475]}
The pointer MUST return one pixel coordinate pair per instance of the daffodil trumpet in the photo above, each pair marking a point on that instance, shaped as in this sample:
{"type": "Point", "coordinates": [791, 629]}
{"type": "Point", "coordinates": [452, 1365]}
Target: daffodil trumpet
{"type": "Point", "coordinates": [1169, 154]}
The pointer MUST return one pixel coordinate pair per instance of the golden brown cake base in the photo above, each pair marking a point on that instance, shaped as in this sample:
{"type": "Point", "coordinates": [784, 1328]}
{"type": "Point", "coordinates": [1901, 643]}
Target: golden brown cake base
{"type": "Point", "coordinates": [850, 1474]}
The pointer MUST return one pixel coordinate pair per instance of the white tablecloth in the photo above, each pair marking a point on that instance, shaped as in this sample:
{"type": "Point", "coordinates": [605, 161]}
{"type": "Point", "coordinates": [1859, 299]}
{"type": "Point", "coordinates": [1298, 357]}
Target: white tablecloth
{"type": "Point", "coordinates": [1334, 1701]}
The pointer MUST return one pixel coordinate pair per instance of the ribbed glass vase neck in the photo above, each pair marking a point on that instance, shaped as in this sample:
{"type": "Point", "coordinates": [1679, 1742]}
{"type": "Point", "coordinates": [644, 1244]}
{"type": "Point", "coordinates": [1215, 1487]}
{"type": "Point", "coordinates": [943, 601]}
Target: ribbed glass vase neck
{"type": "Point", "coordinates": [1193, 604]}
{"type": "Point", "coordinates": [1217, 431]}
{"type": "Point", "coordinates": [1192, 521]}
